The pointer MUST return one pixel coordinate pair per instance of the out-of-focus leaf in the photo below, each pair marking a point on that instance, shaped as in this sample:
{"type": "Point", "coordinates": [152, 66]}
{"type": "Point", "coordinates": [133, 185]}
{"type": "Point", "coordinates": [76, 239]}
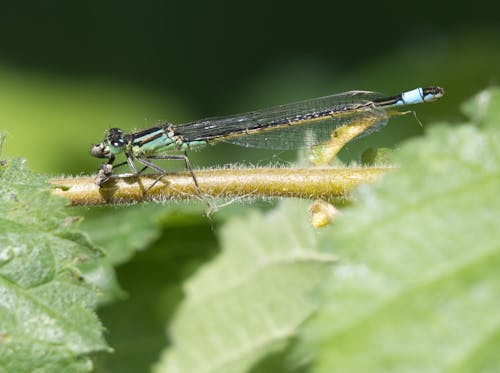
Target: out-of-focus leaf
{"type": "Point", "coordinates": [484, 108]}
{"type": "Point", "coordinates": [122, 231]}
{"type": "Point", "coordinates": [249, 301]}
{"type": "Point", "coordinates": [418, 283]}
{"type": "Point", "coordinates": [153, 280]}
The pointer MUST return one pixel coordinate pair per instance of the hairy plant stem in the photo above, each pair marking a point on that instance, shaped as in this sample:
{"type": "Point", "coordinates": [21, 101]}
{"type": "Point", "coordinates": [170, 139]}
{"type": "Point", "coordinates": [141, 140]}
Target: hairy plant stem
{"type": "Point", "coordinates": [309, 183]}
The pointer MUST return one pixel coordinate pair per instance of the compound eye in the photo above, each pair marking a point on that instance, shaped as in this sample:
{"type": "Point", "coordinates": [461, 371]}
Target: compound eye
{"type": "Point", "coordinates": [118, 143]}
{"type": "Point", "coordinates": [115, 137]}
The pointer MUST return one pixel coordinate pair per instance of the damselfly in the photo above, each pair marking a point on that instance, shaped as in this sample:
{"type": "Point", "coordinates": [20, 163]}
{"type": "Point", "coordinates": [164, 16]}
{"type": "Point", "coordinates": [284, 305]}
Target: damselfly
{"type": "Point", "coordinates": [291, 126]}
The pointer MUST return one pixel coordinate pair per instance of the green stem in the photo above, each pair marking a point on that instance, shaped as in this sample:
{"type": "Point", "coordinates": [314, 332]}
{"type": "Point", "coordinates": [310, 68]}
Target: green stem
{"type": "Point", "coordinates": [310, 183]}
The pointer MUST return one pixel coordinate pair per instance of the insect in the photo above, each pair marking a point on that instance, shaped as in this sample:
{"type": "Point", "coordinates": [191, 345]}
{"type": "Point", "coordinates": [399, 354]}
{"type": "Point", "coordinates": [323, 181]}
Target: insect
{"type": "Point", "coordinates": [290, 126]}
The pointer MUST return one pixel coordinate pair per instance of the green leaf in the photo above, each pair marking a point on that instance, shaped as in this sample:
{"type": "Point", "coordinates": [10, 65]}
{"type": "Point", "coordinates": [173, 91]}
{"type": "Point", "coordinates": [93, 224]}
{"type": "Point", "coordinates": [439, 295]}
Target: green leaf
{"type": "Point", "coordinates": [123, 231]}
{"type": "Point", "coordinates": [47, 321]}
{"type": "Point", "coordinates": [153, 281]}
{"type": "Point", "coordinates": [484, 108]}
{"type": "Point", "coordinates": [417, 286]}
{"type": "Point", "coordinates": [248, 302]}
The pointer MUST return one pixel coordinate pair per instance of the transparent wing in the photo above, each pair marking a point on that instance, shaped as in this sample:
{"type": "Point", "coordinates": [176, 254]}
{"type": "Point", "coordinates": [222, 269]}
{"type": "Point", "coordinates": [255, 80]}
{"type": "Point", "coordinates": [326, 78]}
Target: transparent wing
{"type": "Point", "coordinates": [290, 126]}
{"type": "Point", "coordinates": [306, 135]}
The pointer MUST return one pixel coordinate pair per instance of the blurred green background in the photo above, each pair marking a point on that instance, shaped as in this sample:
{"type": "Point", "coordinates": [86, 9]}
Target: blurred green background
{"type": "Point", "coordinates": [70, 71]}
